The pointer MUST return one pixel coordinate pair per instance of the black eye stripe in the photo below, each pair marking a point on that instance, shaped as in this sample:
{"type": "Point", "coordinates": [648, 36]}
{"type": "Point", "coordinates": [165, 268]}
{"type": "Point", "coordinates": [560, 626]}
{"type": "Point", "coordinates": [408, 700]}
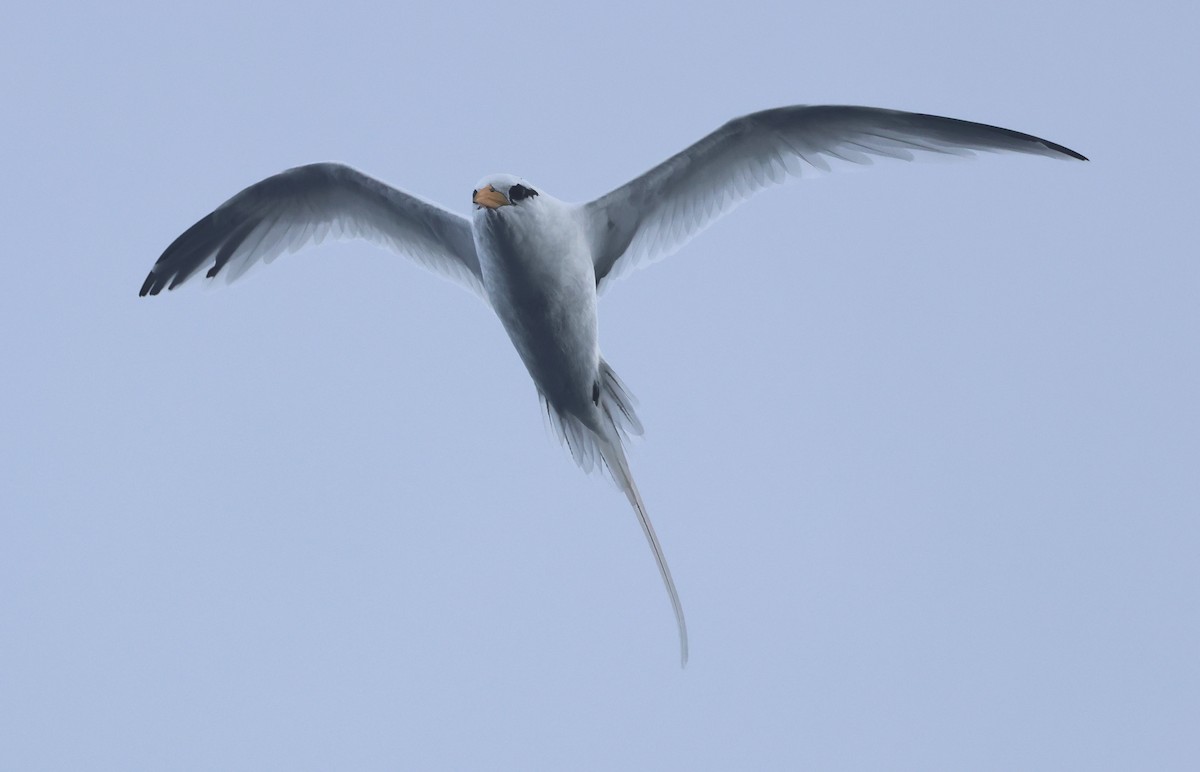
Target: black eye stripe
{"type": "Point", "coordinates": [519, 192]}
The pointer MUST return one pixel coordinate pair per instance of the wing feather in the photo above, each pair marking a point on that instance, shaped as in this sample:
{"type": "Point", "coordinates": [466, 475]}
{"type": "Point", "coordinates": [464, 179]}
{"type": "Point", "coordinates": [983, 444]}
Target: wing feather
{"type": "Point", "coordinates": [655, 214]}
{"type": "Point", "coordinates": [302, 206]}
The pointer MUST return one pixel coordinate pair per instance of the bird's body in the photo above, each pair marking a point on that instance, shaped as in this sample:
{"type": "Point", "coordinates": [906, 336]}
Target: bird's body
{"type": "Point", "coordinates": [538, 276]}
{"type": "Point", "coordinates": [540, 262]}
{"type": "Point", "coordinates": [538, 273]}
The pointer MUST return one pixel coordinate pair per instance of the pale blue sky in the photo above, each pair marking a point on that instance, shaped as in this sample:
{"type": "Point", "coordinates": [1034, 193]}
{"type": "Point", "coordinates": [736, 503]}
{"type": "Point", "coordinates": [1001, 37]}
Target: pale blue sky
{"type": "Point", "coordinates": [922, 441]}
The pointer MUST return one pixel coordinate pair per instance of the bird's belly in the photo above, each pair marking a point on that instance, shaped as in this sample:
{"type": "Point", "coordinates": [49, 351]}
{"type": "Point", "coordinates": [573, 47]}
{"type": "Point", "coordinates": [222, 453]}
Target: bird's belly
{"type": "Point", "coordinates": [547, 305]}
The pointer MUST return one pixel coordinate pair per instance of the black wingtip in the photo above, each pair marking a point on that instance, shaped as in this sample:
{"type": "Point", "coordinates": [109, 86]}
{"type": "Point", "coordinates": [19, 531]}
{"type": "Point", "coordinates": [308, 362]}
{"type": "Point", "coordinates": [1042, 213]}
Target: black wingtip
{"type": "Point", "coordinates": [1065, 151]}
{"type": "Point", "coordinates": [148, 287]}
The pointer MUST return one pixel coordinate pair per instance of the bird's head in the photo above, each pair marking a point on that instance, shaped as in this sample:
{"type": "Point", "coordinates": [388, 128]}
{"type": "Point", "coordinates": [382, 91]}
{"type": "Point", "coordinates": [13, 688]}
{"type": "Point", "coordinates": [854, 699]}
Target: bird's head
{"type": "Point", "coordinates": [500, 190]}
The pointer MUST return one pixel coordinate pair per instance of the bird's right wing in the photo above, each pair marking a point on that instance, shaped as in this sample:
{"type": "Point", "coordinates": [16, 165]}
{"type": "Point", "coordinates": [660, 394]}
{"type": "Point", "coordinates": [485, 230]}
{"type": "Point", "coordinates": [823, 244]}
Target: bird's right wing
{"type": "Point", "coordinates": [653, 215]}
{"type": "Point", "coordinates": [305, 204]}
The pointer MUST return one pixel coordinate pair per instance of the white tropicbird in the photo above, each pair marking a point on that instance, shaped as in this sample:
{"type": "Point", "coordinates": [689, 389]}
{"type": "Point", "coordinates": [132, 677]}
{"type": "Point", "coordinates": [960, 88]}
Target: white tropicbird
{"type": "Point", "coordinates": [539, 262]}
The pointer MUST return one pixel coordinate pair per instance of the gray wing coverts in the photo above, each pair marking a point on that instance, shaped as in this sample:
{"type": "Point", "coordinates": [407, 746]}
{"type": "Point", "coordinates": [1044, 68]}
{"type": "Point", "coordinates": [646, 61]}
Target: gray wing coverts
{"type": "Point", "coordinates": [305, 204]}
{"type": "Point", "coordinates": [655, 214]}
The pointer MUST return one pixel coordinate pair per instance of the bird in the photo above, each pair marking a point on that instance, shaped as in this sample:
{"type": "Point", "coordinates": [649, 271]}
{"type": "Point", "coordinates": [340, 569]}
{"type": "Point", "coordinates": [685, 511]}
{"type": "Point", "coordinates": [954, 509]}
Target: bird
{"type": "Point", "coordinates": [540, 262]}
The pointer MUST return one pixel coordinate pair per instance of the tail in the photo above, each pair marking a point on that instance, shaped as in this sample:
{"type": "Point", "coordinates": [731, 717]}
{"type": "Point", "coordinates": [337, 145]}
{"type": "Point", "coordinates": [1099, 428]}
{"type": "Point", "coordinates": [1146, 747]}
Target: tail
{"type": "Point", "coordinates": [614, 457]}
{"type": "Point", "coordinates": [612, 424]}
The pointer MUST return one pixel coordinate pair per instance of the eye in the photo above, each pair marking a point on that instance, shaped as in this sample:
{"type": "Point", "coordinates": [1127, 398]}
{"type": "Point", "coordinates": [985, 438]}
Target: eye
{"type": "Point", "coordinates": [518, 192]}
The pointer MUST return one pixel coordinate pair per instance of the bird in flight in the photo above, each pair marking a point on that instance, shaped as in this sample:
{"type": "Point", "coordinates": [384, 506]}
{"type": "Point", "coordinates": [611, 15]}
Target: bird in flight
{"type": "Point", "coordinates": [539, 262]}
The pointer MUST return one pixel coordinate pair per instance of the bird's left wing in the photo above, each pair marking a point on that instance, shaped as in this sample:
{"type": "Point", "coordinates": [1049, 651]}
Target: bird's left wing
{"type": "Point", "coordinates": [655, 214]}
{"type": "Point", "coordinates": [302, 206]}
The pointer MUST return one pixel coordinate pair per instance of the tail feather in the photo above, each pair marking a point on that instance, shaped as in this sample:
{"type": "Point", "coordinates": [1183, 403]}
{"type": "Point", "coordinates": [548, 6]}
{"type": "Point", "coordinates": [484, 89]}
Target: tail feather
{"type": "Point", "coordinates": [614, 457]}
{"type": "Point", "coordinates": [618, 404]}
{"type": "Point", "coordinates": [599, 439]}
